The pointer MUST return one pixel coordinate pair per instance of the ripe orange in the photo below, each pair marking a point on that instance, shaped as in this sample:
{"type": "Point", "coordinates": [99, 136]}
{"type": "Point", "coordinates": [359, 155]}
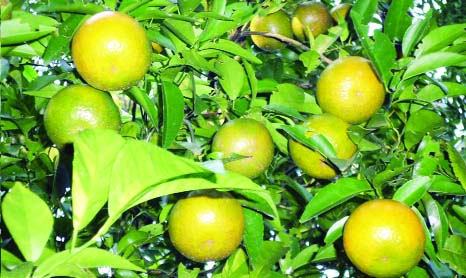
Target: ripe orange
{"type": "Point", "coordinates": [245, 137]}
{"type": "Point", "coordinates": [111, 51]}
{"type": "Point", "coordinates": [384, 238]}
{"type": "Point", "coordinates": [206, 226]}
{"type": "Point", "coordinates": [312, 162]}
{"type": "Point", "coordinates": [311, 17]}
{"type": "Point", "coordinates": [340, 11]}
{"type": "Point", "coordinates": [350, 89]}
{"type": "Point", "coordinates": [76, 108]}
{"type": "Point", "coordinates": [275, 23]}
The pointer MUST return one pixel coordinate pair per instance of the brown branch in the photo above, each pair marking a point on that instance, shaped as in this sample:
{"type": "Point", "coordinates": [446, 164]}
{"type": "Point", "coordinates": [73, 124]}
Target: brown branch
{"type": "Point", "coordinates": [285, 40]}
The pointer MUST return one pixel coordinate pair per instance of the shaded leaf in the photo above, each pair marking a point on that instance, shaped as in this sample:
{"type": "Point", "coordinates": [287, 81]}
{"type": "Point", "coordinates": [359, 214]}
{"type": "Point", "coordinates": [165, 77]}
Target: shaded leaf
{"type": "Point", "coordinates": [458, 164]}
{"type": "Point", "coordinates": [454, 253]}
{"type": "Point", "coordinates": [173, 112]}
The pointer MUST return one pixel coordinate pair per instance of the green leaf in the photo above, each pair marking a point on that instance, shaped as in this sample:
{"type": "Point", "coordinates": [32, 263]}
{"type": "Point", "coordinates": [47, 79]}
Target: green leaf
{"type": "Point", "coordinates": [383, 55]}
{"type": "Point", "coordinates": [335, 231]}
{"type": "Point", "coordinates": [432, 61]}
{"type": "Point", "coordinates": [28, 219]}
{"type": "Point", "coordinates": [397, 20]}
{"type": "Point", "coordinates": [141, 98]}
{"type": "Point", "coordinates": [253, 235]}
{"type": "Point", "coordinates": [440, 38]}
{"type": "Point", "coordinates": [332, 195]}
{"type": "Point", "coordinates": [418, 272]}
{"type": "Point", "coordinates": [363, 11]}
{"type": "Point", "coordinates": [294, 97]}
{"type": "Point", "coordinates": [173, 112]}
{"type": "Point", "coordinates": [55, 6]}
{"type": "Point", "coordinates": [183, 30]}
{"type": "Point", "coordinates": [420, 123]}
{"type": "Point", "coordinates": [444, 185]}
{"type": "Point", "coordinates": [325, 254]}
{"type": "Point", "coordinates": [188, 6]}
{"type": "Point", "coordinates": [310, 59]}
{"type": "Point", "coordinates": [415, 32]}
{"type": "Point", "coordinates": [214, 27]}
{"type": "Point", "coordinates": [458, 164]}
{"type": "Point", "coordinates": [437, 219]}
{"type": "Point", "coordinates": [59, 44]}
{"type": "Point", "coordinates": [91, 173]}
{"type": "Point", "coordinates": [304, 257]}
{"type": "Point", "coordinates": [454, 254]}
{"type": "Point", "coordinates": [9, 260]}
{"type": "Point", "coordinates": [236, 265]}
{"type": "Point", "coordinates": [232, 48]}
{"type": "Point", "coordinates": [25, 27]}
{"type": "Point", "coordinates": [231, 75]}
{"type": "Point", "coordinates": [283, 110]}
{"type": "Point", "coordinates": [317, 142]}
{"type": "Point", "coordinates": [23, 270]}
{"type": "Point", "coordinates": [413, 190]}
{"type": "Point", "coordinates": [184, 272]}
{"type": "Point", "coordinates": [271, 252]}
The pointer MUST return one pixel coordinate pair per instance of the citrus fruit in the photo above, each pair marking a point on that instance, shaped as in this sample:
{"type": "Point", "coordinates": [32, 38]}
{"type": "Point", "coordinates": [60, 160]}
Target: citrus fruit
{"type": "Point", "coordinates": [275, 23]}
{"type": "Point", "coordinates": [349, 89]}
{"type": "Point", "coordinates": [76, 108]}
{"type": "Point", "coordinates": [311, 17]}
{"type": "Point", "coordinates": [312, 162]}
{"type": "Point", "coordinates": [206, 226]}
{"type": "Point", "coordinates": [249, 139]}
{"type": "Point", "coordinates": [384, 238]}
{"type": "Point", "coordinates": [340, 11]}
{"type": "Point", "coordinates": [111, 51]}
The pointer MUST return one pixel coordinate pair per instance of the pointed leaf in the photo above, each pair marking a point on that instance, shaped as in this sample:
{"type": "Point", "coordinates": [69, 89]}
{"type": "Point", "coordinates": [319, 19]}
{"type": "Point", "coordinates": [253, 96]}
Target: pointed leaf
{"type": "Point", "coordinates": [398, 19]}
{"type": "Point", "coordinates": [231, 75]}
{"type": "Point", "coordinates": [458, 164]}
{"type": "Point", "coordinates": [415, 32]}
{"type": "Point", "coordinates": [433, 61]}
{"type": "Point", "coordinates": [253, 234]}
{"type": "Point", "coordinates": [437, 219]}
{"type": "Point", "coordinates": [440, 38]}
{"type": "Point", "coordinates": [332, 195]}
{"type": "Point", "coordinates": [232, 48]}
{"type": "Point", "coordinates": [141, 98]}
{"type": "Point", "coordinates": [28, 219]}
{"type": "Point", "coordinates": [413, 190]}
{"type": "Point", "coordinates": [173, 112]}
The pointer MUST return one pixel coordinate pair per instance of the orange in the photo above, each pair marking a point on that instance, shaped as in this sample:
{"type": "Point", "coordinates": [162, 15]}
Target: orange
{"type": "Point", "coordinates": [350, 89]}
{"type": "Point", "coordinates": [206, 226]}
{"type": "Point", "coordinates": [248, 138]}
{"type": "Point", "coordinates": [340, 11]}
{"type": "Point", "coordinates": [275, 23]}
{"type": "Point", "coordinates": [312, 162]}
{"type": "Point", "coordinates": [76, 108]}
{"type": "Point", "coordinates": [111, 51]}
{"type": "Point", "coordinates": [311, 17]}
{"type": "Point", "coordinates": [384, 238]}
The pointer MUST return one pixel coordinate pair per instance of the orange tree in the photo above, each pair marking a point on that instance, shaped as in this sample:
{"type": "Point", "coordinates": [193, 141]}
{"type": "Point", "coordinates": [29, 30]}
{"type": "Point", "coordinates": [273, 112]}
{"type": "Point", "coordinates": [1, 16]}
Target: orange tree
{"type": "Point", "coordinates": [101, 207]}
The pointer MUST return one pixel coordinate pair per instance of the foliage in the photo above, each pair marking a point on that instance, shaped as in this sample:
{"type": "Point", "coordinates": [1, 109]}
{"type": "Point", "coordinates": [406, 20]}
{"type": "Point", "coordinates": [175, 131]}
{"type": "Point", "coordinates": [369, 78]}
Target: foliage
{"type": "Point", "coordinates": [101, 208]}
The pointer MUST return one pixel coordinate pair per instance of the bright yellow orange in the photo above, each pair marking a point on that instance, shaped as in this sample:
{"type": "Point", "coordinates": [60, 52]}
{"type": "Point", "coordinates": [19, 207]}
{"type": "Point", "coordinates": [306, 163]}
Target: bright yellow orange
{"type": "Point", "coordinates": [311, 17]}
{"type": "Point", "coordinates": [275, 23]}
{"type": "Point", "coordinates": [76, 108]}
{"type": "Point", "coordinates": [340, 11]}
{"type": "Point", "coordinates": [206, 226]}
{"type": "Point", "coordinates": [312, 162]}
{"type": "Point", "coordinates": [248, 138]}
{"type": "Point", "coordinates": [350, 89]}
{"type": "Point", "coordinates": [384, 238]}
{"type": "Point", "coordinates": [111, 51]}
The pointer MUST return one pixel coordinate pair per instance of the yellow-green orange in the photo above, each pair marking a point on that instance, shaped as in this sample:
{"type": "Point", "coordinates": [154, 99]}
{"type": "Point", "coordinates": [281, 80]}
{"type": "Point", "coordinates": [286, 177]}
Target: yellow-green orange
{"type": "Point", "coordinates": [76, 108]}
{"type": "Point", "coordinates": [312, 162]}
{"type": "Point", "coordinates": [340, 11]}
{"type": "Point", "coordinates": [206, 226]}
{"type": "Point", "coordinates": [311, 17]}
{"type": "Point", "coordinates": [275, 23]}
{"type": "Point", "coordinates": [111, 51]}
{"type": "Point", "coordinates": [248, 138]}
{"type": "Point", "coordinates": [384, 238]}
{"type": "Point", "coordinates": [350, 89]}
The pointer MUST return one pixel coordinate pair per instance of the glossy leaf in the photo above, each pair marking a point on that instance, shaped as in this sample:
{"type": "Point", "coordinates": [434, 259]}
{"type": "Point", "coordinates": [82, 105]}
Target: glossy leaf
{"type": "Point", "coordinates": [23, 29]}
{"type": "Point", "coordinates": [420, 123]}
{"type": "Point", "coordinates": [332, 195]}
{"type": "Point", "coordinates": [232, 48]}
{"type": "Point", "coordinates": [363, 11]}
{"type": "Point", "coordinates": [294, 97]}
{"type": "Point", "coordinates": [236, 265]}
{"type": "Point", "coordinates": [413, 190]}
{"type": "Point", "coordinates": [28, 219]}
{"type": "Point", "coordinates": [335, 231]}
{"type": "Point", "coordinates": [383, 56]}
{"type": "Point", "coordinates": [316, 142]}
{"type": "Point", "coordinates": [433, 61]}
{"type": "Point", "coordinates": [437, 219]}
{"type": "Point", "coordinates": [454, 253]}
{"type": "Point", "coordinates": [141, 98]}
{"type": "Point", "coordinates": [231, 75]}
{"type": "Point", "coordinates": [304, 257]}
{"type": "Point", "coordinates": [440, 38]}
{"type": "Point", "coordinates": [415, 32]}
{"type": "Point", "coordinates": [458, 164]}
{"type": "Point", "coordinates": [397, 20]}
{"type": "Point", "coordinates": [173, 112]}
{"type": "Point", "coordinates": [253, 235]}
{"type": "Point", "coordinates": [92, 173]}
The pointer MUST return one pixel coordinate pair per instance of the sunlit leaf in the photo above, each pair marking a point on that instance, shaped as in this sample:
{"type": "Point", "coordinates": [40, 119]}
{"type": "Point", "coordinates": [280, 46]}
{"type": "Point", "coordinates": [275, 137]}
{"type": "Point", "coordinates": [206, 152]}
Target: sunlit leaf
{"type": "Point", "coordinates": [433, 61]}
{"type": "Point", "coordinates": [398, 20]}
{"type": "Point", "coordinates": [458, 164]}
{"type": "Point", "coordinates": [454, 253]}
{"type": "Point", "coordinates": [413, 190]}
{"type": "Point", "coordinates": [173, 112]}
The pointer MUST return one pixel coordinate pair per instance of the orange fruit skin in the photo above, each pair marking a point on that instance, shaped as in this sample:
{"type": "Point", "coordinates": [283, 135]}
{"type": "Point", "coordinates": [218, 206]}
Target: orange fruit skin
{"type": "Point", "coordinates": [340, 11]}
{"type": "Point", "coordinates": [312, 162]}
{"type": "Point", "coordinates": [206, 226]}
{"type": "Point", "coordinates": [76, 108]}
{"type": "Point", "coordinates": [249, 138]}
{"type": "Point", "coordinates": [350, 89]}
{"type": "Point", "coordinates": [111, 51]}
{"type": "Point", "coordinates": [310, 16]}
{"type": "Point", "coordinates": [384, 238]}
{"type": "Point", "coordinates": [276, 23]}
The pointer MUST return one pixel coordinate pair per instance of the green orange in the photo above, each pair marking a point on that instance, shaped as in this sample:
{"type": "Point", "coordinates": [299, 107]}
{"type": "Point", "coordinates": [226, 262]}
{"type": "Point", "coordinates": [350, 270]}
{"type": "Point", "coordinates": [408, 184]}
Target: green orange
{"type": "Point", "coordinates": [312, 162]}
{"type": "Point", "coordinates": [274, 23]}
{"type": "Point", "coordinates": [76, 108]}
{"type": "Point", "coordinates": [350, 89]}
{"type": "Point", "coordinates": [111, 51]}
{"type": "Point", "coordinates": [384, 238]}
{"type": "Point", "coordinates": [250, 141]}
{"type": "Point", "coordinates": [206, 226]}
